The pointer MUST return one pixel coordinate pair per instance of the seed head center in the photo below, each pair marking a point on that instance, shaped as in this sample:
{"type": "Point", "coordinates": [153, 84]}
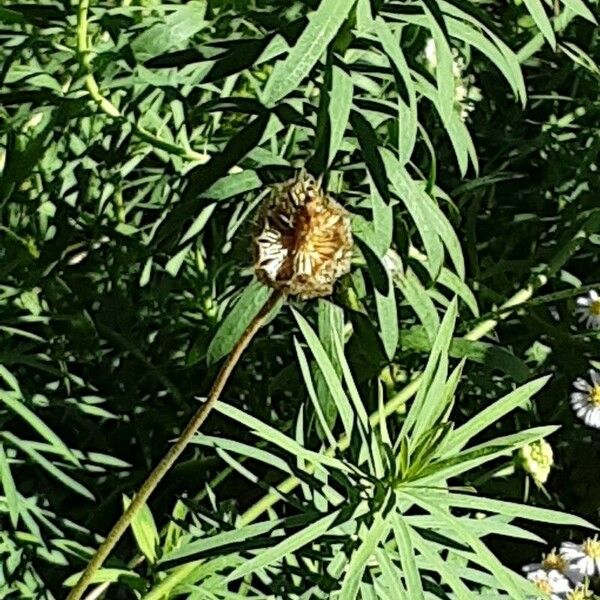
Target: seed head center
{"type": "Point", "coordinates": [554, 561]}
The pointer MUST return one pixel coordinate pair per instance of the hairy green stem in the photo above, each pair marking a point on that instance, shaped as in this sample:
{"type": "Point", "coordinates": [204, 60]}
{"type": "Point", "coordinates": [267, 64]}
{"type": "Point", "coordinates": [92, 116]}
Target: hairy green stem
{"type": "Point", "coordinates": [107, 106]}
{"type": "Point", "coordinates": [174, 452]}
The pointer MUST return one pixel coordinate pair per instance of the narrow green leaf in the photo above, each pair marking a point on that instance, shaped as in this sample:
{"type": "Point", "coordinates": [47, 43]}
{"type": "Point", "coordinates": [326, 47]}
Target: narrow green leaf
{"type": "Point", "coordinates": [387, 313]}
{"type": "Point", "coordinates": [175, 262]}
{"type": "Point", "coordinates": [190, 573]}
{"type": "Point", "coordinates": [312, 394]}
{"type": "Point", "coordinates": [420, 301]}
{"type": "Point", "coordinates": [428, 406]}
{"type": "Point", "coordinates": [490, 415]}
{"type": "Point", "coordinates": [109, 576]}
{"type": "Point", "coordinates": [412, 578]}
{"type": "Point", "coordinates": [197, 226]}
{"type": "Point", "coordinates": [359, 405]}
{"type": "Point", "coordinates": [330, 326]}
{"type": "Point", "coordinates": [177, 29]}
{"type": "Point", "coordinates": [407, 118]}
{"type": "Point", "coordinates": [358, 561]}
{"type": "Point", "coordinates": [276, 437]}
{"type": "Point", "coordinates": [455, 284]}
{"type": "Point", "coordinates": [579, 8]}
{"type": "Point", "coordinates": [51, 468]}
{"type": "Point", "coordinates": [10, 379]}
{"type": "Point", "coordinates": [233, 185]}
{"type": "Point", "coordinates": [538, 14]}
{"type": "Point", "coordinates": [237, 319]}
{"type": "Point", "coordinates": [15, 403]}
{"type": "Point", "coordinates": [144, 531]}
{"type": "Point", "coordinates": [444, 71]}
{"type": "Point", "coordinates": [323, 24]}
{"type": "Point", "coordinates": [10, 490]}
{"type": "Point", "coordinates": [391, 577]}
{"type": "Point", "coordinates": [474, 33]}
{"type": "Point", "coordinates": [441, 566]}
{"type": "Point", "coordinates": [277, 553]}
{"type": "Point", "coordinates": [488, 560]}
{"type": "Point", "coordinates": [247, 450]}
{"type": "Point", "coordinates": [342, 94]}
{"type": "Point", "coordinates": [509, 509]}
{"type": "Point", "coordinates": [236, 536]}
{"type": "Point", "coordinates": [328, 371]}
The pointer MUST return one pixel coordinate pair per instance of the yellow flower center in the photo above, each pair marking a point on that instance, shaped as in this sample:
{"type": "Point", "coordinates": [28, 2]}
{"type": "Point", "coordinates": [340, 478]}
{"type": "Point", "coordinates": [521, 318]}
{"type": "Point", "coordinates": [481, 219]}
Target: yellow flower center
{"type": "Point", "coordinates": [595, 397]}
{"type": "Point", "coordinates": [555, 561]}
{"type": "Point", "coordinates": [591, 547]}
{"type": "Point", "coordinates": [544, 586]}
{"type": "Point", "coordinates": [595, 308]}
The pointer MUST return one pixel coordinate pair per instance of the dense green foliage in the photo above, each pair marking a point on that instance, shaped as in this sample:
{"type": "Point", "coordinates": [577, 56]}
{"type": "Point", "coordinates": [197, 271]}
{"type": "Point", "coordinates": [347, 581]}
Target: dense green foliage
{"type": "Point", "coordinates": [366, 446]}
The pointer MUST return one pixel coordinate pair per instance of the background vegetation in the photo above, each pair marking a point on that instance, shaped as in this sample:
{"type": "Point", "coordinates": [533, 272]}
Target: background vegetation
{"type": "Point", "coordinates": [361, 435]}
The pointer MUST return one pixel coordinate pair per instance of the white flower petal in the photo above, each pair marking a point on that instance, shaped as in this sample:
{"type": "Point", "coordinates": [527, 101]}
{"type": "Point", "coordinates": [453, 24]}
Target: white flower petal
{"type": "Point", "coordinates": [530, 568]}
{"type": "Point", "coordinates": [589, 566]}
{"type": "Point", "coordinates": [595, 420]}
{"type": "Point", "coordinates": [580, 412]}
{"type": "Point", "coordinates": [581, 384]}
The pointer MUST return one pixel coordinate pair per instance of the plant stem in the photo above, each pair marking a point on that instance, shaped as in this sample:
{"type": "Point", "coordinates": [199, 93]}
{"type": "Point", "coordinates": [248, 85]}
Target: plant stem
{"type": "Point", "coordinates": [174, 452]}
{"type": "Point", "coordinates": [108, 107]}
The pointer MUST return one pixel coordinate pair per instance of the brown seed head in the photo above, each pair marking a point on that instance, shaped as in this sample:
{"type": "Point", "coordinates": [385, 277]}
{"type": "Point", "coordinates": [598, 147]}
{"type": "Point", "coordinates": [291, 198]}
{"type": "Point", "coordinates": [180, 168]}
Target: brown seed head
{"type": "Point", "coordinates": [303, 240]}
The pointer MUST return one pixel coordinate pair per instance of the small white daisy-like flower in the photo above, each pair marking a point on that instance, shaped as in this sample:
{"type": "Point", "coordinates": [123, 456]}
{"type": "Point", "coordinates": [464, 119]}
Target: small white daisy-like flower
{"type": "Point", "coordinates": [586, 399]}
{"type": "Point", "coordinates": [588, 309]}
{"type": "Point", "coordinates": [466, 93]}
{"type": "Point", "coordinates": [584, 558]}
{"type": "Point", "coordinates": [553, 561]}
{"type": "Point", "coordinates": [552, 583]}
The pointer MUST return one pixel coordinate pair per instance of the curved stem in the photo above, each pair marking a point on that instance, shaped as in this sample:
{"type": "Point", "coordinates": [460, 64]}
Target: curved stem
{"type": "Point", "coordinates": [107, 106]}
{"type": "Point", "coordinates": [174, 452]}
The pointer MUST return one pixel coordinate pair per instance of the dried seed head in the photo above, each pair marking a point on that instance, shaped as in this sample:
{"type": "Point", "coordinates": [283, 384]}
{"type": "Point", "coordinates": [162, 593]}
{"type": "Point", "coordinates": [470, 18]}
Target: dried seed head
{"type": "Point", "coordinates": [303, 240]}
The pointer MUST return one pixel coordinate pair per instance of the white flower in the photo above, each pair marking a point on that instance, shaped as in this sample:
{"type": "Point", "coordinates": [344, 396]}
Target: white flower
{"type": "Point", "coordinates": [553, 561]}
{"type": "Point", "coordinates": [584, 558]}
{"type": "Point", "coordinates": [466, 93]}
{"type": "Point", "coordinates": [588, 309]}
{"type": "Point", "coordinates": [431, 53]}
{"type": "Point", "coordinates": [552, 583]}
{"type": "Point", "coordinates": [586, 400]}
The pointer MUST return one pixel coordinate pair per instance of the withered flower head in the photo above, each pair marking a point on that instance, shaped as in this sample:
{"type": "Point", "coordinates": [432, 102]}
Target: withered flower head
{"type": "Point", "coordinates": [303, 240]}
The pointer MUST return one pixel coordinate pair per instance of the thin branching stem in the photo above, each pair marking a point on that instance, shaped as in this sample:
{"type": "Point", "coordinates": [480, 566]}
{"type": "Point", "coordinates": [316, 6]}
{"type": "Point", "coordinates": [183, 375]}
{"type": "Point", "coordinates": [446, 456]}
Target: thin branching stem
{"type": "Point", "coordinates": [84, 53]}
{"type": "Point", "coordinates": [174, 452]}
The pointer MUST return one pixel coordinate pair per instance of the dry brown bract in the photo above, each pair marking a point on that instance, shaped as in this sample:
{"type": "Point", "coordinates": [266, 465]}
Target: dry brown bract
{"type": "Point", "coordinates": [303, 240]}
